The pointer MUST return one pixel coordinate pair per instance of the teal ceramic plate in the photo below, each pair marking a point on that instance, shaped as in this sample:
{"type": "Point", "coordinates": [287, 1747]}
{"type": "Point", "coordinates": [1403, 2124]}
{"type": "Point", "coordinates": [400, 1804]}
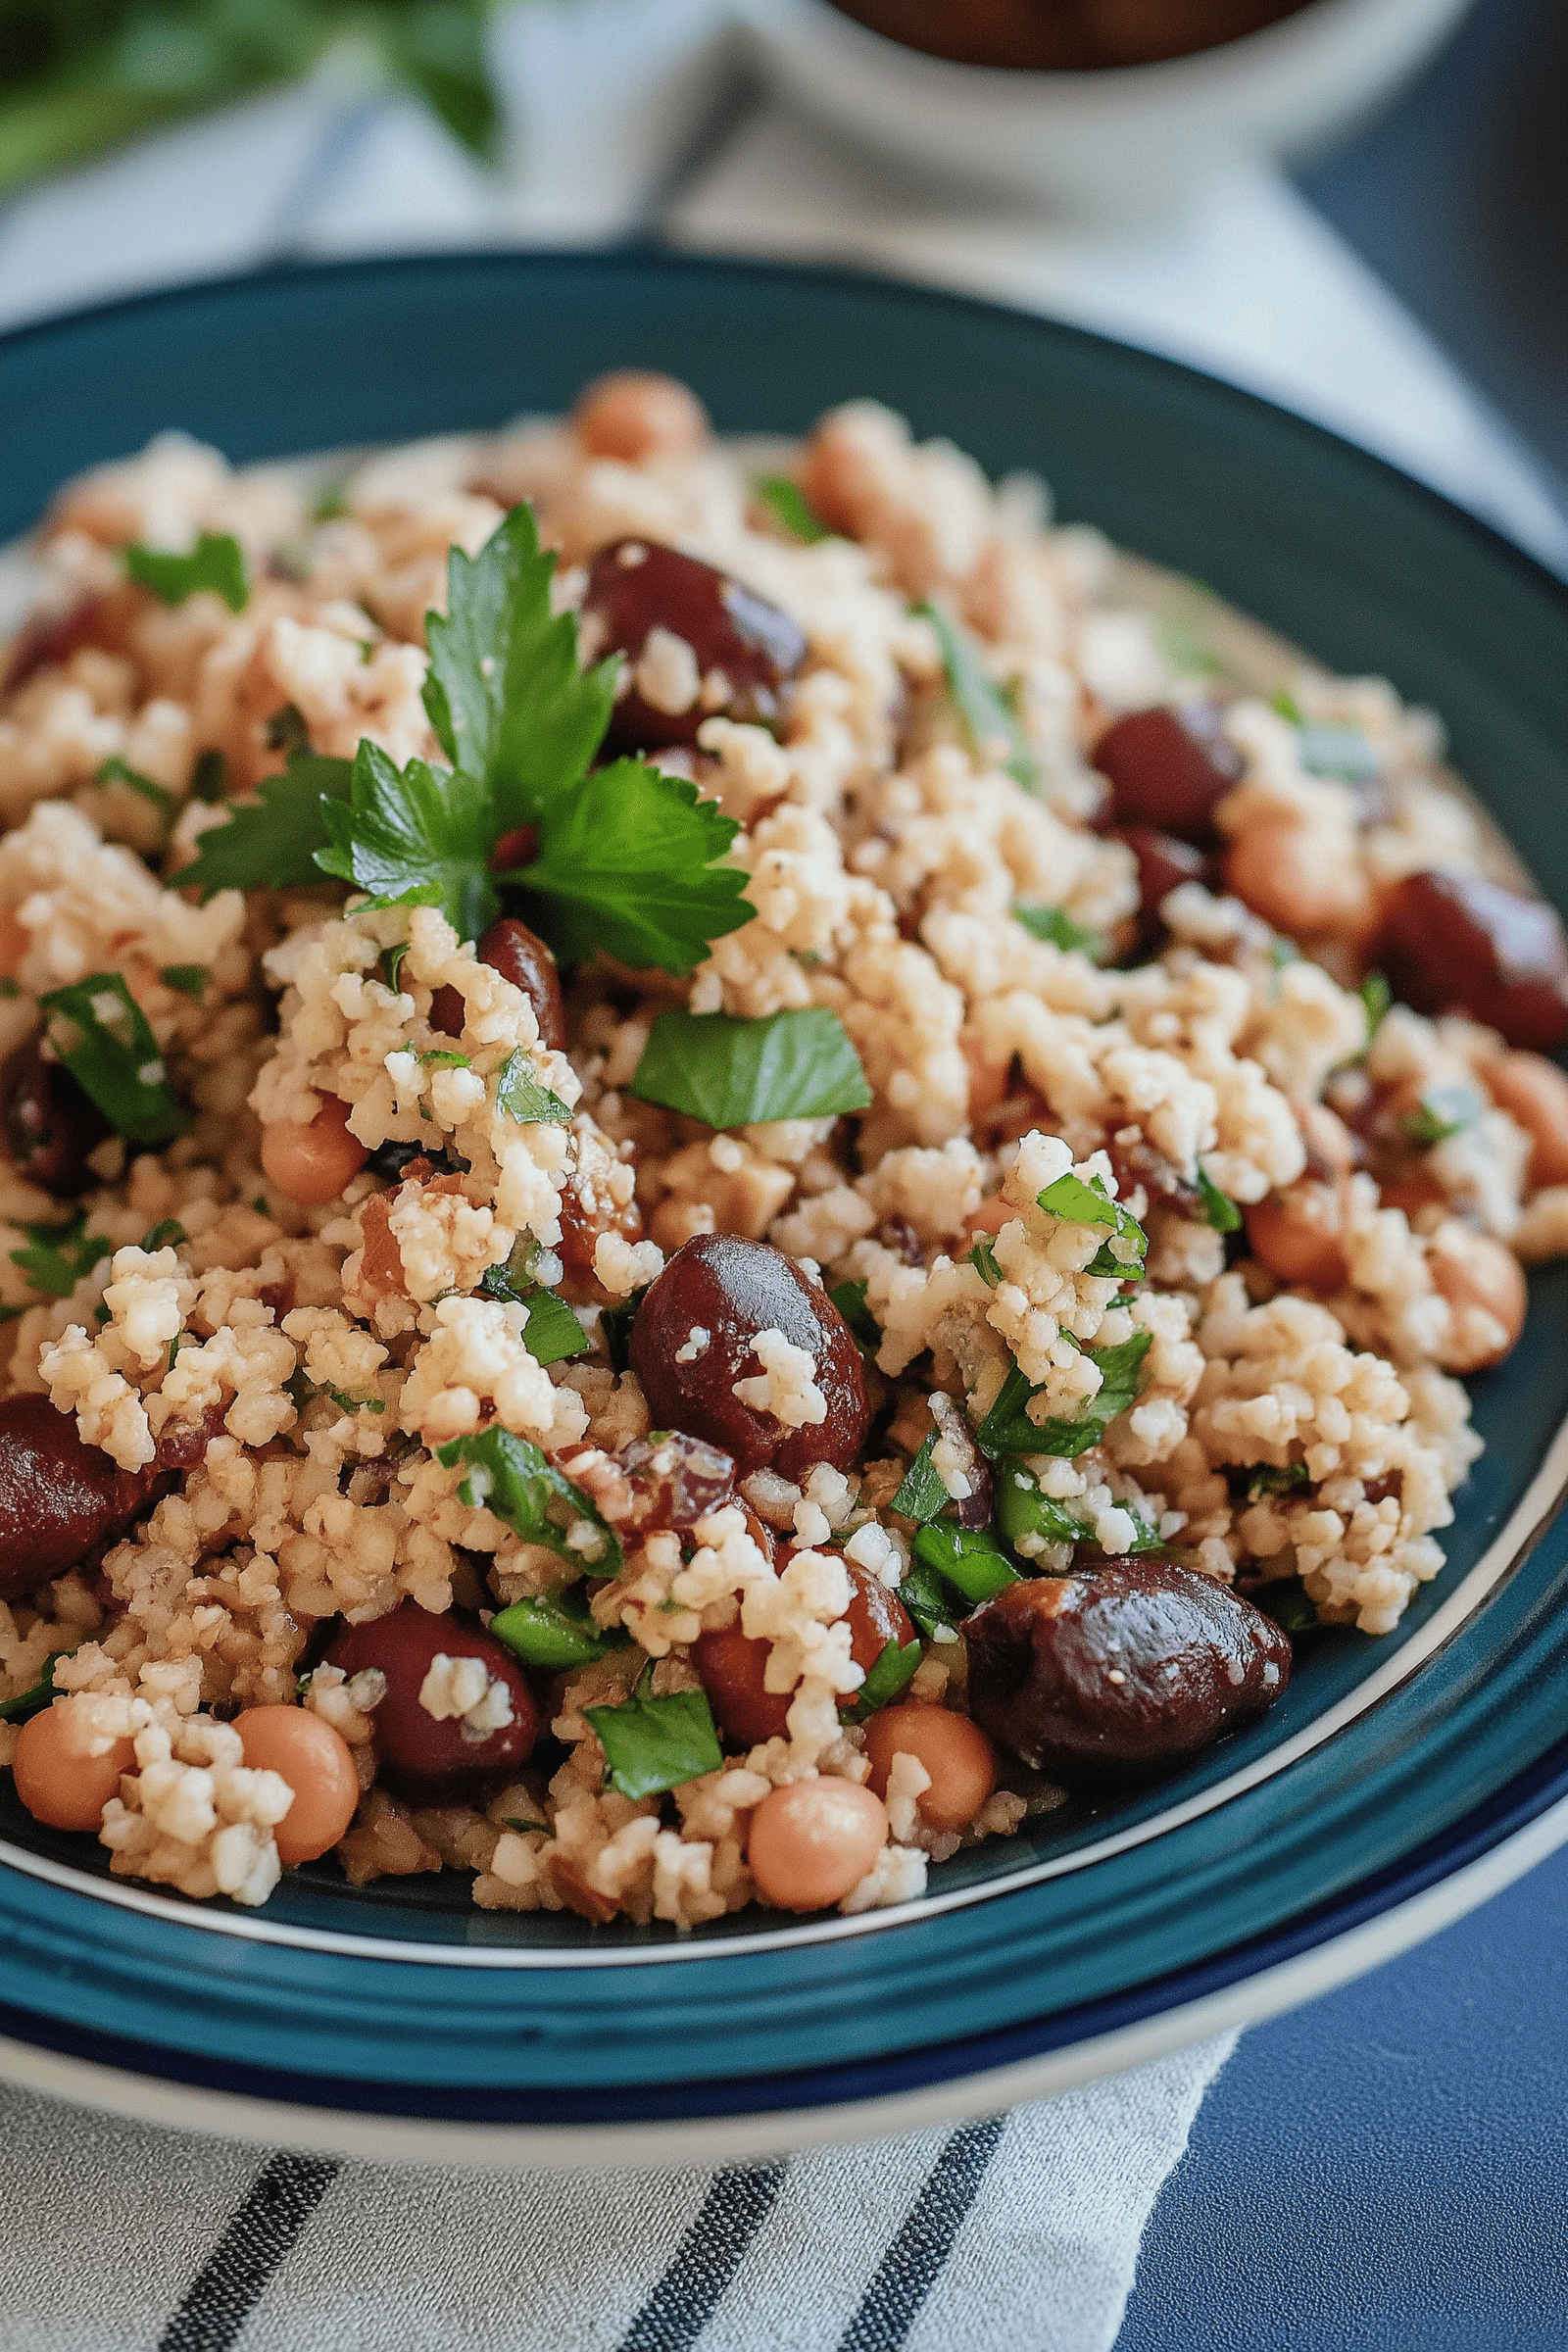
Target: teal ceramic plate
{"type": "Point", "coordinates": [1397, 1781]}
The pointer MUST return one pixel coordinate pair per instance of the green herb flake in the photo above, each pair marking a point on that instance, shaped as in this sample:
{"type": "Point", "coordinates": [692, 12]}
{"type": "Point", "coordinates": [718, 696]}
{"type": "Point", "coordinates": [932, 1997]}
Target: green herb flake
{"type": "Point", "coordinates": [992, 726]}
{"type": "Point", "coordinates": [1286, 704]}
{"type": "Point", "coordinates": [58, 1255]}
{"type": "Point", "coordinates": [1376, 996]}
{"type": "Point", "coordinates": [1441, 1112]}
{"type": "Point", "coordinates": [413, 836]}
{"type": "Point", "coordinates": [390, 965]}
{"type": "Point", "coordinates": [443, 1057]}
{"type": "Point", "coordinates": [208, 780]}
{"type": "Point", "coordinates": [1079, 1203]}
{"type": "Point", "coordinates": [550, 1332]}
{"type": "Point", "coordinates": [304, 1391]}
{"type": "Point", "coordinates": [983, 1258]}
{"type": "Point", "coordinates": [270, 844]}
{"type": "Point", "coordinates": [922, 1493]}
{"type": "Point", "coordinates": [652, 1745]}
{"type": "Point", "coordinates": [1055, 925]}
{"type": "Point", "coordinates": [553, 1631]}
{"type": "Point", "coordinates": [32, 1701]}
{"type": "Point", "coordinates": [614, 1328]}
{"type": "Point", "coordinates": [187, 979]}
{"type": "Point", "coordinates": [790, 507]}
{"type": "Point", "coordinates": [1008, 1429]}
{"type": "Point", "coordinates": [520, 1097]}
{"type": "Point", "coordinates": [925, 1600]}
{"type": "Point", "coordinates": [893, 1671]}
{"type": "Point", "coordinates": [1022, 1510]}
{"type": "Point", "coordinates": [1267, 1478]}
{"type": "Point", "coordinates": [731, 1072]}
{"type": "Point", "coordinates": [509, 1476]}
{"type": "Point", "coordinates": [864, 1329]}
{"type": "Point", "coordinates": [969, 1559]}
{"type": "Point", "coordinates": [1339, 752]}
{"type": "Point", "coordinates": [216, 561]}
{"type": "Point", "coordinates": [1291, 1608]}
{"type": "Point", "coordinates": [169, 1233]}
{"type": "Point", "coordinates": [1218, 1207]}
{"type": "Point", "coordinates": [102, 1036]}
{"type": "Point", "coordinates": [287, 730]}
{"type": "Point", "coordinates": [156, 796]}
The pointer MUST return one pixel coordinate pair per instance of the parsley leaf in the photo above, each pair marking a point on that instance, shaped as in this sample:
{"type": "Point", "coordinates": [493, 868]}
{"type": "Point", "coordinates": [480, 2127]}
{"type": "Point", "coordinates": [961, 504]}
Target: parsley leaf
{"type": "Point", "coordinates": [627, 865]}
{"type": "Point", "coordinates": [614, 1328]}
{"type": "Point", "coordinates": [1292, 1608]}
{"type": "Point", "coordinates": [33, 1700]}
{"type": "Point", "coordinates": [864, 1329]}
{"type": "Point", "coordinates": [731, 1072]}
{"type": "Point", "coordinates": [156, 796]}
{"type": "Point", "coordinates": [102, 1036]}
{"type": "Point", "coordinates": [968, 1558]}
{"type": "Point", "coordinates": [167, 1233]}
{"type": "Point", "coordinates": [656, 1744]}
{"type": "Point", "coordinates": [983, 1258]}
{"type": "Point", "coordinates": [1218, 1207]}
{"type": "Point", "coordinates": [554, 1631]}
{"type": "Point", "coordinates": [216, 561]}
{"type": "Point", "coordinates": [925, 1599]}
{"type": "Point", "coordinates": [992, 729]}
{"type": "Point", "coordinates": [1441, 1112]}
{"type": "Point", "coordinates": [1266, 1478]}
{"type": "Point", "coordinates": [892, 1671]}
{"type": "Point", "coordinates": [790, 507]}
{"type": "Point", "coordinates": [287, 730]}
{"type": "Point", "coordinates": [1080, 1204]}
{"type": "Point", "coordinates": [60, 1255]}
{"type": "Point", "coordinates": [550, 1332]}
{"type": "Point", "coordinates": [1007, 1428]}
{"type": "Point", "coordinates": [189, 979]}
{"type": "Point", "coordinates": [303, 1390]}
{"type": "Point", "coordinates": [415, 837]}
{"type": "Point", "coordinates": [1055, 925]}
{"type": "Point", "coordinates": [520, 1095]}
{"type": "Point", "coordinates": [1023, 1510]}
{"type": "Point", "coordinates": [1377, 995]}
{"type": "Point", "coordinates": [273, 844]}
{"type": "Point", "coordinates": [509, 1476]}
{"type": "Point", "coordinates": [505, 698]}
{"type": "Point", "coordinates": [922, 1493]}
{"type": "Point", "coordinates": [1286, 704]}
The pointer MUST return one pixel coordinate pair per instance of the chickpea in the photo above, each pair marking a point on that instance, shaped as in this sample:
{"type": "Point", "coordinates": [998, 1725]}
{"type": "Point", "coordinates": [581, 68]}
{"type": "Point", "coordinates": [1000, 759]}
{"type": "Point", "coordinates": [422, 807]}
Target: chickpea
{"type": "Point", "coordinates": [1485, 1285]}
{"type": "Point", "coordinates": [313, 1164]}
{"type": "Point", "coordinates": [1534, 1091]}
{"type": "Point", "coordinates": [1298, 1235]}
{"type": "Point", "coordinates": [56, 1781]}
{"type": "Point", "coordinates": [1275, 868]}
{"type": "Point", "coordinates": [813, 1841]}
{"type": "Point", "coordinates": [954, 1752]}
{"type": "Point", "coordinates": [635, 415]}
{"type": "Point", "coordinates": [317, 1764]}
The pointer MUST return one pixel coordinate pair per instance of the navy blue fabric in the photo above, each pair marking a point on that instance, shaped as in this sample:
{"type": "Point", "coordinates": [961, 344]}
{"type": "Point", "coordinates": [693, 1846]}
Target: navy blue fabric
{"type": "Point", "coordinates": [225, 2290]}
{"type": "Point", "coordinates": [912, 2263]}
{"type": "Point", "coordinates": [1386, 2170]}
{"type": "Point", "coordinates": [706, 2260]}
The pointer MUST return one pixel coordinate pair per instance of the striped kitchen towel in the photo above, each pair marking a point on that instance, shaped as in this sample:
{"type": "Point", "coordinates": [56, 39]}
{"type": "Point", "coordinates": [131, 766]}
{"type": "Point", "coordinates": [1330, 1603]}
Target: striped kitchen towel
{"type": "Point", "coordinates": [1016, 2234]}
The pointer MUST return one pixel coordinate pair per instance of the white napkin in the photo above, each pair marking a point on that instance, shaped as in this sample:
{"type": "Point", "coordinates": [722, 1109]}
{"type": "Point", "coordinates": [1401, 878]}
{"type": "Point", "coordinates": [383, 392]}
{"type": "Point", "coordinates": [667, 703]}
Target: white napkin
{"type": "Point", "coordinates": [1018, 2234]}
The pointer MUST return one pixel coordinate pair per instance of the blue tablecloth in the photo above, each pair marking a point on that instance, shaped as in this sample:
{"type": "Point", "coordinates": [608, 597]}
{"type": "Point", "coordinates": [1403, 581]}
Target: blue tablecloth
{"type": "Point", "coordinates": [1386, 2170]}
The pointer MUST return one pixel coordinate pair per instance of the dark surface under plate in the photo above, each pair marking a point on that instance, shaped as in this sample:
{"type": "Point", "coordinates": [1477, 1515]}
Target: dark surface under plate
{"type": "Point", "coordinates": [1331, 548]}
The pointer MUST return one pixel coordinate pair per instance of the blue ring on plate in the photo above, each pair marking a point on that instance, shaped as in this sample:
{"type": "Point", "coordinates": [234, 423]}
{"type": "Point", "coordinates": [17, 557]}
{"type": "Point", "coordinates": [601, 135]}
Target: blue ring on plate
{"type": "Point", "coordinates": [1334, 550]}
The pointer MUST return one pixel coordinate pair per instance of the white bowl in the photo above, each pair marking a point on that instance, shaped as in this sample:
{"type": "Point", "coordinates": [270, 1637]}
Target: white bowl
{"type": "Point", "coordinates": [1130, 140]}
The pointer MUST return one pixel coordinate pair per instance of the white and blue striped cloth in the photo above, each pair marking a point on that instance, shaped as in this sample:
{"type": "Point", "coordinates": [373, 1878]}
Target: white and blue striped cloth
{"type": "Point", "coordinates": [1019, 2233]}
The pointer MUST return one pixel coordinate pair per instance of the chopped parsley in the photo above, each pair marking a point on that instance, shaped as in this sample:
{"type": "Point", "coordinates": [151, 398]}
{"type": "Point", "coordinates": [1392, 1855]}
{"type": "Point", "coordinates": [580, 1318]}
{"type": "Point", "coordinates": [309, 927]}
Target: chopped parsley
{"type": "Point", "coordinates": [731, 1072]}
{"type": "Point", "coordinates": [991, 724]}
{"type": "Point", "coordinates": [652, 1745]}
{"type": "Point", "coordinates": [554, 1631]}
{"type": "Point", "coordinates": [270, 844]}
{"type": "Point", "coordinates": [1291, 1607]}
{"type": "Point", "coordinates": [58, 1255]}
{"type": "Point", "coordinates": [983, 1258]}
{"type": "Point", "coordinates": [864, 1329]}
{"type": "Point", "coordinates": [1220, 1210]}
{"type": "Point", "coordinates": [550, 1332]}
{"type": "Point", "coordinates": [1286, 704]}
{"type": "Point", "coordinates": [1376, 996]}
{"type": "Point", "coordinates": [216, 561]}
{"type": "Point", "coordinates": [187, 979]}
{"type": "Point", "coordinates": [1079, 1203]}
{"type": "Point", "coordinates": [168, 1234]}
{"type": "Point", "coordinates": [33, 1700]}
{"type": "Point", "coordinates": [922, 1493]}
{"type": "Point", "coordinates": [1441, 1112]}
{"type": "Point", "coordinates": [287, 730]}
{"type": "Point", "coordinates": [1008, 1429]}
{"type": "Point", "coordinates": [443, 1057]}
{"type": "Point", "coordinates": [520, 1095]}
{"type": "Point", "coordinates": [156, 796]}
{"type": "Point", "coordinates": [390, 965]}
{"type": "Point", "coordinates": [790, 507]}
{"type": "Point", "coordinates": [925, 1599]}
{"type": "Point", "coordinates": [1266, 1478]}
{"type": "Point", "coordinates": [304, 1390]}
{"type": "Point", "coordinates": [102, 1036]}
{"type": "Point", "coordinates": [509, 1476]}
{"type": "Point", "coordinates": [209, 778]}
{"type": "Point", "coordinates": [967, 1558]}
{"type": "Point", "coordinates": [415, 837]}
{"type": "Point", "coordinates": [614, 1328]}
{"type": "Point", "coordinates": [1055, 925]}
{"type": "Point", "coordinates": [1023, 1510]}
{"type": "Point", "coordinates": [892, 1672]}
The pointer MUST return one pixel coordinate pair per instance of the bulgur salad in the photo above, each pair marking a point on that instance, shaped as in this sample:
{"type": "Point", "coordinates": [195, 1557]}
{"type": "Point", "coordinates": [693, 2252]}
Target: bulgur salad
{"type": "Point", "coordinates": [726, 1163]}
